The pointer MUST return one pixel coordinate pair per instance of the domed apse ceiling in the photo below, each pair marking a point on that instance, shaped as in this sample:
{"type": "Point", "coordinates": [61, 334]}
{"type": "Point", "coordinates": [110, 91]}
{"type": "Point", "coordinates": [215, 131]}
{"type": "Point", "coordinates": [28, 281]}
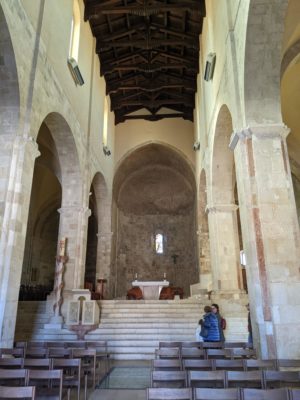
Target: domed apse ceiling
{"type": "Point", "coordinates": [154, 180]}
{"type": "Point", "coordinates": [149, 55]}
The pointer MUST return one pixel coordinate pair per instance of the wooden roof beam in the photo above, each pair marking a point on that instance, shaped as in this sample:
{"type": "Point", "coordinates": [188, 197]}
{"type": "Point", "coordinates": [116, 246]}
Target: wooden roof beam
{"type": "Point", "coordinates": [153, 117]}
{"type": "Point", "coordinates": [146, 67]}
{"type": "Point", "coordinates": [106, 44]}
{"type": "Point", "coordinates": [94, 10]}
{"type": "Point", "coordinates": [153, 104]}
{"type": "Point", "coordinates": [150, 88]}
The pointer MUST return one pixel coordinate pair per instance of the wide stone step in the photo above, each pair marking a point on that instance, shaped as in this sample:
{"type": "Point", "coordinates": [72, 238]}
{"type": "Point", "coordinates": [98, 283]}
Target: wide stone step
{"type": "Point", "coordinates": [158, 316]}
{"type": "Point", "coordinates": [146, 325]}
{"type": "Point", "coordinates": [149, 306]}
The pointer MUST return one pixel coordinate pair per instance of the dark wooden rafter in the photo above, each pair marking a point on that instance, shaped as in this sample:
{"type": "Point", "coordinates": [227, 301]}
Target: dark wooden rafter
{"type": "Point", "coordinates": [149, 55]}
{"type": "Point", "coordinates": [95, 9]}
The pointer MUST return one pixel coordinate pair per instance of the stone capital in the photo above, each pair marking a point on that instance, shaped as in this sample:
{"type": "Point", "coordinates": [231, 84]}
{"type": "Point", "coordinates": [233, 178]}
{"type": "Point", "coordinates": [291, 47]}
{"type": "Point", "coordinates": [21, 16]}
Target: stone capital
{"type": "Point", "coordinates": [266, 131]}
{"type": "Point", "coordinates": [28, 145]}
{"type": "Point", "coordinates": [221, 208]}
{"type": "Point", "coordinates": [75, 209]}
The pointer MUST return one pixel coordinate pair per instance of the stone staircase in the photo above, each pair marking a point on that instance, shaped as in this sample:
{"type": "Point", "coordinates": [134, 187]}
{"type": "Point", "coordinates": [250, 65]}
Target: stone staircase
{"type": "Point", "coordinates": [132, 329]}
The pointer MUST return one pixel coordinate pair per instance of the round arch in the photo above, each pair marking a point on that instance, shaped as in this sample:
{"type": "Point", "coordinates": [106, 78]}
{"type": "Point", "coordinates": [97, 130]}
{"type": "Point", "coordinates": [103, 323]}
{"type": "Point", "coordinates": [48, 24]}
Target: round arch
{"type": "Point", "coordinates": [99, 235]}
{"type": "Point", "coordinates": [71, 177]}
{"type": "Point", "coordinates": [222, 164]}
{"type": "Point", "coordinates": [154, 191]}
{"type": "Point", "coordinates": [178, 157]}
{"type": "Point", "coordinates": [222, 210]}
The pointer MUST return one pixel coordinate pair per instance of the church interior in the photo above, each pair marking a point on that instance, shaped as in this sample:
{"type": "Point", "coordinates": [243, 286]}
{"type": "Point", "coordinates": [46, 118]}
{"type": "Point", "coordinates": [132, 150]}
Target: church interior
{"type": "Point", "coordinates": [150, 166]}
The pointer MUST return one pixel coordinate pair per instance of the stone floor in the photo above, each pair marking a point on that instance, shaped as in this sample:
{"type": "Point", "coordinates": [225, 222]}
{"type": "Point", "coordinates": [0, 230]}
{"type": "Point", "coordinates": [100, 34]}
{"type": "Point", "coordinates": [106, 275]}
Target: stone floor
{"type": "Point", "coordinates": [125, 381]}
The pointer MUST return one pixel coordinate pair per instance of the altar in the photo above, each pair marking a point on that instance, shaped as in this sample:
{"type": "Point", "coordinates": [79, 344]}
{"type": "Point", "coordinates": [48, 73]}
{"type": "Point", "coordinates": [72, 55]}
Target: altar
{"type": "Point", "coordinates": [151, 289]}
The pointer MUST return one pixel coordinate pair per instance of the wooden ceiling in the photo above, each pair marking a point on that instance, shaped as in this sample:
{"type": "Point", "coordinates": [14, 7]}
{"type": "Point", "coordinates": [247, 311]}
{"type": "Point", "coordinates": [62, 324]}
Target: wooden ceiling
{"type": "Point", "coordinates": [149, 55]}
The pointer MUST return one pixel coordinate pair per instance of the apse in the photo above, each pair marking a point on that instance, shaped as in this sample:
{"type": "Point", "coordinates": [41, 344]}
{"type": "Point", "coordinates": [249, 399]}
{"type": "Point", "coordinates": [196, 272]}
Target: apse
{"type": "Point", "coordinates": [154, 192]}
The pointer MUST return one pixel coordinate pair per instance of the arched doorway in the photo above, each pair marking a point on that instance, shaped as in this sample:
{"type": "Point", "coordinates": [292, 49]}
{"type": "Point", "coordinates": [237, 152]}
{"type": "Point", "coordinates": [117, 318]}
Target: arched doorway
{"type": "Point", "coordinates": [154, 191]}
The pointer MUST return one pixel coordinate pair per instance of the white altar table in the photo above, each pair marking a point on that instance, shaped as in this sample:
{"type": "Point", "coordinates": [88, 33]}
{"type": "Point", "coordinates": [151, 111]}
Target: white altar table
{"type": "Point", "coordinates": [151, 289]}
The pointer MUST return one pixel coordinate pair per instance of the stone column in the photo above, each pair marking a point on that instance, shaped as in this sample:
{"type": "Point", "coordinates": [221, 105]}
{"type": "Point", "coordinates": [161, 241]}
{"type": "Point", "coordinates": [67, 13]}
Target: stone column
{"type": "Point", "coordinates": [224, 245]}
{"type": "Point", "coordinates": [73, 225]}
{"type": "Point", "coordinates": [14, 226]}
{"type": "Point", "coordinates": [103, 266]}
{"type": "Point", "coordinates": [271, 239]}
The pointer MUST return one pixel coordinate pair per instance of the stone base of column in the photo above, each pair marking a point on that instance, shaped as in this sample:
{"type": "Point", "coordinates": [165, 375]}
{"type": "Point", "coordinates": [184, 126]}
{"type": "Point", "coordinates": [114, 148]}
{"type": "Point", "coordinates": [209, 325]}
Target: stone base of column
{"type": "Point", "coordinates": [236, 294]}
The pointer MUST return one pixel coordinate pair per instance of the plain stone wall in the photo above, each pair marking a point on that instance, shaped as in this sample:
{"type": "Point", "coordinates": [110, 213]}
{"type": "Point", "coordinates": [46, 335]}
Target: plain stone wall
{"type": "Point", "coordinates": [136, 250]}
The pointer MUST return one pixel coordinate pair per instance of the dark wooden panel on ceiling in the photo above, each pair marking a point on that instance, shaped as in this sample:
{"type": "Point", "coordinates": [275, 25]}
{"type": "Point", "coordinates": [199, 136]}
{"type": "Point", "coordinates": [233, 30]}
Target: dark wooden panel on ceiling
{"type": "Point", "coordinates": [149, 55]}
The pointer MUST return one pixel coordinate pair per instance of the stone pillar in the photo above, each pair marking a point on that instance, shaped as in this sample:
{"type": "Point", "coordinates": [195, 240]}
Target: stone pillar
{"type": "Point", "coordinates": [224, 245]}
{"type": "Point", "coordinates": [14, 226]}
{"type": "Point", "coordinates": [205, 275]}
{"type": "Point", "coordinates": [73, 225]}
{"type": "Point", "coordinates": [271, 239]}
{"type": "Point", "coordinates": [103, 266]}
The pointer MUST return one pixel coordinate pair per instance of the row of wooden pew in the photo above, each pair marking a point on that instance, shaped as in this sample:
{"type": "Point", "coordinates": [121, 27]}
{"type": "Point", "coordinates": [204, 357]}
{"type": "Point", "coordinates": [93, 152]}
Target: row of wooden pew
{"type": "Point", "coordinates": [260, 379]}
{"type": "Point", "coordinates": [205, 345]}
{"type": "Point", "coordinates": [223, 364]}
{"type": "Point", "coordinates": [182, 394]}
{"type": "Point", "coordinates": [193, 352]}
{"type": "Point", "coordinates": [222, 394]}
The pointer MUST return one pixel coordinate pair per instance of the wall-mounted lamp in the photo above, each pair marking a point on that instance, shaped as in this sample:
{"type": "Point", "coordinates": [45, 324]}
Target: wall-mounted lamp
{"type": "Point", "coordinates": [233, 141]}
{"type": "Point", "coordinates": [75, 71]}
{"type": "Point", "coordinates": [106, 151]}
{"type": "Point", "coordinates": [210, 67]}
{"type": "Point", "coordinates": [196, 146]}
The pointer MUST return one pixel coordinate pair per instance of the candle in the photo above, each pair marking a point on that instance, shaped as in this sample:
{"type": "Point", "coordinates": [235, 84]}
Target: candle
{"type": "Point", "coordinates": [62, 246]}
{"type": "Point", "coordinates": [165, 275]}
{"type": "Point", "coordinates": [135, 276]}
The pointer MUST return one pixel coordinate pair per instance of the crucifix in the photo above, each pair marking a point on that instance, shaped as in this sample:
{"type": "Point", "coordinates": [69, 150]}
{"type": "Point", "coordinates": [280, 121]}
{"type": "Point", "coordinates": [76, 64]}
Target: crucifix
{"type": "Point", "coordinates": [174, 257]}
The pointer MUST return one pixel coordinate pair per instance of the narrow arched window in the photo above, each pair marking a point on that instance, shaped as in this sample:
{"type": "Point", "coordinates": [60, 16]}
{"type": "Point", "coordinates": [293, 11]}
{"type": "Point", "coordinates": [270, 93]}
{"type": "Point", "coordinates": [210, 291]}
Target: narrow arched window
{"type": "Point", "coordinates": [105, 122]}
{"type": "Point", "coordinates": [159, 243]}
{"type": "Point", "coordinates": [75, 31]}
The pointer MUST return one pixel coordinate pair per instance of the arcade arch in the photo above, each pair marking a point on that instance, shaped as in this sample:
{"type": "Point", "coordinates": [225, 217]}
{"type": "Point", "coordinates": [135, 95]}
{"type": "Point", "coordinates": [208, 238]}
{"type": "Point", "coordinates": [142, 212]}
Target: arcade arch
{"type": "Point", "coordinates": [43, 219]}
{"type": "Point", "coordinates": [154, 191]}
{"type": "Point", "coordinates": [222, 217]}
{"type": "Point", "coordinates": [73, 215]}
{"type": "Point", "coordinates": [98, 254]}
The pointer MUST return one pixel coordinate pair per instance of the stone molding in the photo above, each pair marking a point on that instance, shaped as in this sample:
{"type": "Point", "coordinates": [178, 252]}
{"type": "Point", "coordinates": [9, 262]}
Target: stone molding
{"type": "Point", "coordinates": [76, 209]}
{"type": "Point", "coordinates": [28, 145]}
{"type": "Point", "coordinates": [104, 235]}
{"type": "Point", "coordinates": [267, 131]}
{"type": "Point", "coordinates": [214, 209]}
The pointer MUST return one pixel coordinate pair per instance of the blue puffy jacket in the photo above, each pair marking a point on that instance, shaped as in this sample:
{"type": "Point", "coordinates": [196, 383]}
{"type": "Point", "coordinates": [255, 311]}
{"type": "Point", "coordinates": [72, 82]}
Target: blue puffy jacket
{"type": "Point", "coordinates": [211, 325]}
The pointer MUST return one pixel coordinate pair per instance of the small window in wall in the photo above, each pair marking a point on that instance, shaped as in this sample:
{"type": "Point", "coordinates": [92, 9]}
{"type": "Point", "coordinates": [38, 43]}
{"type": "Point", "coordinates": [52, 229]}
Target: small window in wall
{"type": "Point", "coordinates": [105, 122]}
{"type": "Point", "coordinates": [159, 243]}
{"type": "Point", "coordinates": [75, 31]}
